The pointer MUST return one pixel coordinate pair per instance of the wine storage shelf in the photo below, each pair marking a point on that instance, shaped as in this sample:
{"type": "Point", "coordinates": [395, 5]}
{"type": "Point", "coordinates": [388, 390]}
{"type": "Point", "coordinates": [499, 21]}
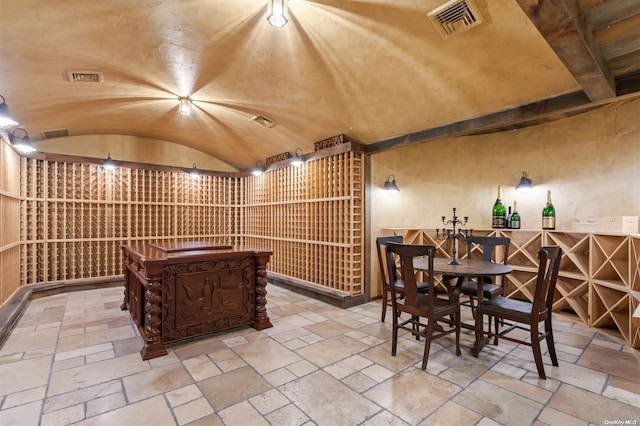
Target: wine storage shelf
{"type": "Point", "coordinates": [72, 218]}
{"type": "Point", "coordinates": [599, 278]}
{"type": "Point", "coordinates": [9, 221]}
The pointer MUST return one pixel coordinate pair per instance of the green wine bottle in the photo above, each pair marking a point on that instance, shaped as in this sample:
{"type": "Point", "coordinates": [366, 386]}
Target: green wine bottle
{"type": "Point", "coordinates": [515, 217]}
{"type": "Point", "coordinates": [499, 212]}
{"type": "Point", "coordinates": [549, 214]}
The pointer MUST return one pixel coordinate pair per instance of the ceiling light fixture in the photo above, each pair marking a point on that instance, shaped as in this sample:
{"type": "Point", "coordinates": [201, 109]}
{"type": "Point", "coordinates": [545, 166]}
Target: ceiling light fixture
{"type": "Point", "coordinates": [258, 170]}
{"type": "Point", "coordinates": [194, 171]}
{"type": "Point", "coordinates": [391, 185]}
{"type": "Point", "coordinates": [277, 13]}
{"type": "Point", "coordinates": [22, 144]}
{"type": "Point", "coordinates": [6, 120]}
{"type": "Point", "coordinates": [109, 164]}
{"type": "Point", "coordinates": [525, 182]}
{"type": "Point", "coordinates": [298, 158]}
{"type": "Point", "coordinates": [184, 105]}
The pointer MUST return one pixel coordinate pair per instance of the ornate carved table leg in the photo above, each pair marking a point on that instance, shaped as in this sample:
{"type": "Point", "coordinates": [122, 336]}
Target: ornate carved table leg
{"type": "Point", "coordinates": [262, 319]}
{"type": "Point", "coordinates": [125, 300]}
{"type": "Point", "coordinates": [153, 344]}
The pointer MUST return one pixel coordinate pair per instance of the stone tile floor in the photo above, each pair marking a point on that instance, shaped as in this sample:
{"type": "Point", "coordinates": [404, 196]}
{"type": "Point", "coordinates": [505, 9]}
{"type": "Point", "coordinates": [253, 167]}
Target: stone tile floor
{"type": "Point", "coordinates": [74, 359]}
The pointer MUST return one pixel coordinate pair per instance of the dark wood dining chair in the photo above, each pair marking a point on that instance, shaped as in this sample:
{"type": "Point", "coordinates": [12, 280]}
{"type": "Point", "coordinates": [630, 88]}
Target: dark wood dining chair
{"type": "Point", "coordinates": [389, 273]}
{"type": "Point", "coordinates": [490, 288]}
{"type": "Point", "coordinates": [419, 305]}
{"type": "Point", "coordinates": [524, 315]}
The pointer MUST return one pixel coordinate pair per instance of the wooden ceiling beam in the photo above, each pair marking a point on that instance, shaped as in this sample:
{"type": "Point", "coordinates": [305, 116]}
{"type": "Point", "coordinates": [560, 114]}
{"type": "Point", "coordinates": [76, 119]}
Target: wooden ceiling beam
{"type": "Point", "coordinates": [611, 12]}
{"type": "Point", "coordinates": [516, 118]}
{"type": "Point", "coordinates": [562, 25]}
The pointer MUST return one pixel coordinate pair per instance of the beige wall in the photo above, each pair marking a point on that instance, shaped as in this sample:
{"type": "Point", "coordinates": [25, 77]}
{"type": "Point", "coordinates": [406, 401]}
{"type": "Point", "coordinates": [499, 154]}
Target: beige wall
{"type": "Point", "coordinates": [590, 162]}
{"type": "Point", "coordinates": [131, 148]}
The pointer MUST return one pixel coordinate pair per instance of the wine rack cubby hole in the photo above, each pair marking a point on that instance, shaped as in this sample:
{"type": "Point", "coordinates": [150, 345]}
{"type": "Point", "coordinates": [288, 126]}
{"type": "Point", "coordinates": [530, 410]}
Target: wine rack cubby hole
{"type": "Point", "coordinates": [599, 278]}
{"type": "Point", "coordinates": [72, 218]}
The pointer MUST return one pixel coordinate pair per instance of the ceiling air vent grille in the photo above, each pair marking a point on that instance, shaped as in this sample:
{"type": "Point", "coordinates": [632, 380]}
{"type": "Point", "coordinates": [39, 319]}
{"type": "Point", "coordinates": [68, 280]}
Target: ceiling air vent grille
{"type": "Point", "coordinates": [455, 16]}
{"type": "Point", "coordinates": [50, 134]}
{"type": "Point", "coordinates": [263, 120]}
{"type": "Point", "coordinates": [79, 76]}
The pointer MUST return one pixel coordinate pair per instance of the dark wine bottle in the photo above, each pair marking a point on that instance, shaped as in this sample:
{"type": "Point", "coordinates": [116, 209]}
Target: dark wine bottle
{"type": "Point", "coordinates": [549, 214]}
{"type": "Point", "coordinates": [499, 212]}
{"type": "Point", "coordinates": [515, 217]}
{"type": "Point", "coordinates": [508, 222]}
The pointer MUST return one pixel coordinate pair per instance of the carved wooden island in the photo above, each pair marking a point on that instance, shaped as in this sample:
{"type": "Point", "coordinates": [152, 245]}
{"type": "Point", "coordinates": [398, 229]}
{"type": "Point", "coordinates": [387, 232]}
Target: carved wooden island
{"type": "Point", "coordinates": [179, 290]}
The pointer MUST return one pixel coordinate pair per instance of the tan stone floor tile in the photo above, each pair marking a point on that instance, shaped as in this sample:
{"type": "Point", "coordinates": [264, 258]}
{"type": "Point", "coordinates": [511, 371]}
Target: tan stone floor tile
{"type": "Point", "coordinates": [359, 382]}
{"type": "Point", "coordinates": [269, 401]}
{"type": "Point", "coordinates": [600, 358]}
{"type": "Point", "coordinates": [382, 355]}
{"type": "Point", "coordinates": [87, 350]}
{"type": "Point", "coordinates": [13, 377]}
{"type": "Point", "coordinates": [328, 329]}
{"type": "Point", "coordinates": [499, 404]}
{"type": "Point", "coordinates": [314, 393]}
{"type": "Point", "coordinates": [591, 407]}
{"type": "Point", "coordinates": [242, 414]}
{"type": "Point", "coordinates": [331, 350]}
{"type": "Point", "coordinates": [153, 411]}
{"type": "Point", "coordinates": [96, 338]}
{"type": "Point", "coordinates": [105, 403]}
{"type": "Point", "coordinates": [201, 367]}
{"type": "Point", "coordinates": [622, 395]}
{"type": "Point", "coordinates": [412, 395]}
{"type": "Point", "coordinates": [183, 395]}
{"type": "Point", "coordinates": [266, 355]}
{"type": "Point", "coordinates": [517, 386]}
{"type": "Point", "coordinates": [30, 341]}
{"type": "Point", "coordinates": [226, 360]}
{"type": "Point", "coordinates": [347, 366]}
{"type": "Point", "coordinates": [281, 325]}
{"type": "Point", "coordinates": [24, 397]}
{"type": "Point", "coordinates": [192, 411]}
{"type": "Point", "coordinates": [385, 418]}
{"type": "Point", "coordinates": [82, 395]}
{"type": "Point", "coordinates": [233, 387]}
{"type": "Point", "coordinates": [301, 368]}
{"type": "Point", "coordinates": [88, 375]}
{"type": "Point", "coordinates": [22, 415]}
{"type": "Point", "coordinates": [377, 372]}
{"type": "Point", "coordinates": [64, 417]}
{"type": "Point", "coordinates": [156, 381]}
{"type": "Point", "coordinates": [452, 414]}
{"type": "Point", "coordinates": [287, 415]}
{"type": "Point", "coordinates": [552, 417]}
{"type": "Point", "coordinates": [279, 377]}
{"type": "Point", "coordinates": [197, 347]}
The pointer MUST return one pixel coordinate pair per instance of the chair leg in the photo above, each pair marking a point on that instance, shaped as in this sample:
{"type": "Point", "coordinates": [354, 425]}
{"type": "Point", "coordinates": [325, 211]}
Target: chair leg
{"type": "Point", "coordinates": [427, 344]}
{"type": "Point", "coordinates": [384, 304]}
{"type": "Point", "coordinates": [550, 343]}
{"type": "Point", "coordinates": [394, 335]}
{"type": "Point", "coordinates": [458, 352]}
{"type": "Point", "coordinates": [473, 307]}
{"type": "Point", "coordinates": [497, 327]}
{"type": "Point", "coordinates": [479, 329]}
{"type": "Point", "coordinates": [537, 353]}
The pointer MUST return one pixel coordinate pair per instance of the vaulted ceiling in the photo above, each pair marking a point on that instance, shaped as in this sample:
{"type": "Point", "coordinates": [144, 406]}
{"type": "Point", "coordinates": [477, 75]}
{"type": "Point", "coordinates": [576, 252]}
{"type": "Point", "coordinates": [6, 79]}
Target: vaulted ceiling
{"type": "Point", "coordinates": [377, 71]}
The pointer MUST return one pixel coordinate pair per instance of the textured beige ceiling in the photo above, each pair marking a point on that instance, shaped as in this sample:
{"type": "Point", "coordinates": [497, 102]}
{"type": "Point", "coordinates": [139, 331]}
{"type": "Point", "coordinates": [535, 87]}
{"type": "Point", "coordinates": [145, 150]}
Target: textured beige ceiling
{"type": "Point", "coordinates": [372, 69]}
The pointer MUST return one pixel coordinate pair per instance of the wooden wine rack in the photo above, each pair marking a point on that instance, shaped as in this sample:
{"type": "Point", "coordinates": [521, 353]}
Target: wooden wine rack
{"type": "Point", "coordinates": [76, 216]}
{"type": "Point", "coordinates": [599, 278]}
{"type": "Point", "coordinates": [312, 219]}
{"type": "Point", "coordinates": [66, 221]}
{"type": "Point", "coordinates": [10, 223]}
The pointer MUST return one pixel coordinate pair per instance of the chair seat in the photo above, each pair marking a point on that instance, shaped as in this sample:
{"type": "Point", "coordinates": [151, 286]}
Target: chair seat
{"type": "Point", "coordinates": [504, 306]}
{"type": "Point", "coordinates": [422, 287]}
{"type": "Point", "coordinates": [440, 306]}
{"type": "Point", "coordinates": [489, 291]}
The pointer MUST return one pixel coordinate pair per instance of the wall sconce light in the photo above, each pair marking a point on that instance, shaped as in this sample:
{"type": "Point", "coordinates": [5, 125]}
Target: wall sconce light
{"type": "Point", "coordinates": [258, 170]}
{"type": "Point", "coordinates": [391, 185]}
{"type": "Point", "coordinates": [108, 164]}
{"type": "Point", "coordinates": [298, 158]}
{"type": "Point", "coordinates": [277, 13]}
{"type": "Point", "coordinates": [194, 171]}
{"type": "Point", "coordinates": [184, 106]}
{"type": "Point", "coordinates": [22, 144]}
{"type": "Point", "coordinates": [525, 182]}
{"type": "Point", "coordinates": [6, 120]}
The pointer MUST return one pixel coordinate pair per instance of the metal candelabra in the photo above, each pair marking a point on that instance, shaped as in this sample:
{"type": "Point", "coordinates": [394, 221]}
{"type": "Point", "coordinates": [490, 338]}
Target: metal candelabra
{"type": "Point", "coordinates": [454, 234]}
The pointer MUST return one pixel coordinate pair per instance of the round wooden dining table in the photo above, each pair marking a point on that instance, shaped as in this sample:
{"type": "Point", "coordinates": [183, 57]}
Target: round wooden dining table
{"type": "Point", "coordinates": [461, 271]}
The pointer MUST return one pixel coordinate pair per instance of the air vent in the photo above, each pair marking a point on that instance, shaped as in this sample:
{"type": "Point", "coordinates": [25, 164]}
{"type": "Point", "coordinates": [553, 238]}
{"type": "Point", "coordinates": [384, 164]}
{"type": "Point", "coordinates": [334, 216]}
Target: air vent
{"type": "Point", "coordinates": [263, 120]}
{"type": "Point", "coordinates": [50, 134]}
{"type": "Point", "coordinates": [79, 76]}
{"type": "Point", "coordinates": [455, 16]}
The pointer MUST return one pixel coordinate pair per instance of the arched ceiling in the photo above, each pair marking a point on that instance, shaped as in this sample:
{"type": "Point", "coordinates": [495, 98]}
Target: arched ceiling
{"type": "Point", "coordinates": [375, 70]}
